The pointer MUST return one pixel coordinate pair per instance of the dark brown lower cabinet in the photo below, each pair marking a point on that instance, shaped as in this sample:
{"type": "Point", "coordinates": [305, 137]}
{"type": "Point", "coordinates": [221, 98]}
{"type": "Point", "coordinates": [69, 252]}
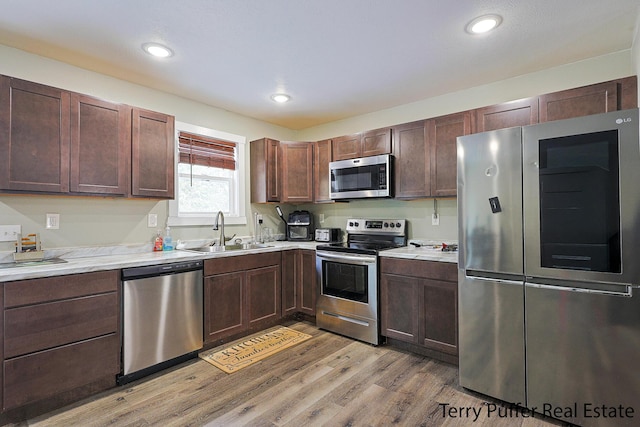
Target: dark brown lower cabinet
{"type": "Point", "coordinates": [61, 339]}
{"type": "Point", "coordinates": [419, 304]}
{"type": "Point", "coordinates": [299, 282]}
{"type": "Point", "coordinates": [224, 305]}
{"type": "Point", "coordinates": [241, 294]}
{"type": "Point", "coordinates": [263, 297]}
{"type": "Point", "coordinates": [46, 373]}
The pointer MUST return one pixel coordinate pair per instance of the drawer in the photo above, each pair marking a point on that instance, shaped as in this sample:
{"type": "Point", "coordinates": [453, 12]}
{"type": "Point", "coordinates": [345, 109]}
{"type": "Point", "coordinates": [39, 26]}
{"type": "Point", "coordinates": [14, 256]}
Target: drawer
{"type": "Point", "coordinates": [48, 373]}
{"type": "Point", "coordinates": [38, 327]}
{"type": "Point", "coordinates": [420, 268]}
{"type": "Point", "coordinates": [240, 263]}
{"type": "Point", "coordinates": [36, 291]}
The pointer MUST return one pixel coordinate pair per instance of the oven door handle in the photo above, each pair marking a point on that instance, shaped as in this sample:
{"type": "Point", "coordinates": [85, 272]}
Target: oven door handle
{"type": "Point", "coordinates": [349, 259]}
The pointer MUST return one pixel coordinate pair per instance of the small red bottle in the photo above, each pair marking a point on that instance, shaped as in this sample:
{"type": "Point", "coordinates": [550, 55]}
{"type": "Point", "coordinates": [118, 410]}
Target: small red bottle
{"type": "Point", "coordinates": [157, 243]}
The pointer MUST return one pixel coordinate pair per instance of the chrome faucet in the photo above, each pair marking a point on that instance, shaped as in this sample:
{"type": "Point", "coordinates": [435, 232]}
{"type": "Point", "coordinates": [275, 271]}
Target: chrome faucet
{"type": "Point", "coordinates": [220, 216]}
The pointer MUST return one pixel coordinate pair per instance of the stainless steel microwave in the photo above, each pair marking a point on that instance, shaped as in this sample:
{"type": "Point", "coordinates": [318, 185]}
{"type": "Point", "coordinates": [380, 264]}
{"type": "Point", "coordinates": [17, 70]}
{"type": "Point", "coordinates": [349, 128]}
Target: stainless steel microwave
{"type": "Point", "coordinates": [362, 178]}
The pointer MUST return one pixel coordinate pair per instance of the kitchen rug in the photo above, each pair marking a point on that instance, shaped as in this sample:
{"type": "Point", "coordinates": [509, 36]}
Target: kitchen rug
{"type": "Point", "coordinates": [252, 350]}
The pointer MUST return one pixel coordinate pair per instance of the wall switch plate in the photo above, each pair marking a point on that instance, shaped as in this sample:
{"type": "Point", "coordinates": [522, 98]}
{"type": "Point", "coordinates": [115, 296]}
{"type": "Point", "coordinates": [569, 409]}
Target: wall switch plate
{"type": "Point", "coordinates": [9, 233]}
{"type": "Point", "coordinates": [435, 219]}
{"type": "Point", "coordinates": [53, 221]}
{"type": "Point", "coordinates": [152, 220]}
{"type": "Point", "coordinates": [321, 218]}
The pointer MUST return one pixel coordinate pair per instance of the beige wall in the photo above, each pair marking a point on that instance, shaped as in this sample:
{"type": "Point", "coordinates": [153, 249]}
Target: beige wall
{"type": "Point", "coordinates": [419, 212]}
{"type": "Point", "coordinates": [104, 221]}
{"type": "Point", "coordinates": [594, 70]}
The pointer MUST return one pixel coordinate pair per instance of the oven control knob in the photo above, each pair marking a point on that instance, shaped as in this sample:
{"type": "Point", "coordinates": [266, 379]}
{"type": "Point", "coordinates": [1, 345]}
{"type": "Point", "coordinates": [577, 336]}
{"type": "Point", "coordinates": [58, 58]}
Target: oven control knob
{"type": "Point", "coordinates": [386, 225]}
{"type": "Point", "coordinates": [356, 224]}
{"type": "Point", "coordinates": [392, 225]}
{"type": "Point", "coordinates": [398, 225]}
{"type": "Point", "coordinates": [350, 223]}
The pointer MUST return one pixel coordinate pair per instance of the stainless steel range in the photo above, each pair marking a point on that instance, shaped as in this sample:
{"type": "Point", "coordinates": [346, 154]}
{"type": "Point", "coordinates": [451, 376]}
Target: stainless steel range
{"type": "Point", "coordinates": [348, 276]}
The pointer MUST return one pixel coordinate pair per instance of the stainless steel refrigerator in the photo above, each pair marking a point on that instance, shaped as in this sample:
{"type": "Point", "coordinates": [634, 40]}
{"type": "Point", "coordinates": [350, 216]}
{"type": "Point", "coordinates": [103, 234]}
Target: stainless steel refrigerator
{"type": "Point", "coordinates": [549, 231]}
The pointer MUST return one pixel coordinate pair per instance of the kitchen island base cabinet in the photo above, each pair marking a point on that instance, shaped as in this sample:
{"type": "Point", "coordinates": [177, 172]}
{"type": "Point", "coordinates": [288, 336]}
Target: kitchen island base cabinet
{"type": "Point", "coordinates": [242, 294]}
{"type": "Point", "coordinates": [61, 340]}
{"type": "Point", "coordinates": [419, 301]}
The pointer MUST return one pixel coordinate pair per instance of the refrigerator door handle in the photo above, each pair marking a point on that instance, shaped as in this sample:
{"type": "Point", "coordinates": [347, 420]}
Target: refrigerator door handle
{"type": "Point", "coordinates": [507, 279]}
{"type": "Point", "coordinates": [627, 291]}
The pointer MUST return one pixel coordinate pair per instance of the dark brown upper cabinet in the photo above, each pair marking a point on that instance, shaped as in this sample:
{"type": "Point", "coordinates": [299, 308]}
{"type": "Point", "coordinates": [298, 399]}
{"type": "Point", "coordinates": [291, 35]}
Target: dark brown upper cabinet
{"type": "Point", "coordinates": [346, 147]}
{"type": "Point", "coordinates": [509, 114]}
{"type": "Point", "coordinates": [582, 101]}
{"type": "Point", "coordinates": [34, 137]}
{"type": "Point", "coordinates": [100, 146]}
{"type": "Point", "coordinates": [365, 144]}
{"type": "Point", "coordinates": [442, 135]}
{"type": "Point", "coordinates": [321, 159]}
{"type": "Point", "coordinates": [297, 172]}
{"type": "Point", "coordinates": [412, 163]}
{"type": "Point", "coordinates": [152, 154]}
{"type": "Point", "coordinates": [425, 156]}
{"type": "Point", "coordinates": [60, 142]}
{"type": "Point", "coordinates": [265, 160]}
{"type": "Point", "coordinates": [281, 171]}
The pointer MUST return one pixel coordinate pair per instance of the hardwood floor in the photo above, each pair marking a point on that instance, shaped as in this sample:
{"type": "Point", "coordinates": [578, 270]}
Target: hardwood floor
{"type": "Point", "coordinates": [328, 380]}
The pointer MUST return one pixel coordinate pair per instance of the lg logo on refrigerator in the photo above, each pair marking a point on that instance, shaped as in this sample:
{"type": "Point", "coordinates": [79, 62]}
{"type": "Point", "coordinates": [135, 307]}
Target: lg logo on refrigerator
{"type": "Point", "coordinates": [621, 121]}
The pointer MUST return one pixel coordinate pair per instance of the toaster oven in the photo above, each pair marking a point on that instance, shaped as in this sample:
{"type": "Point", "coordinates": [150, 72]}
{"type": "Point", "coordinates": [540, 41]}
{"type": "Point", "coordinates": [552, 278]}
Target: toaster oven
{"type": "Point", "coordinates": [300, 226]}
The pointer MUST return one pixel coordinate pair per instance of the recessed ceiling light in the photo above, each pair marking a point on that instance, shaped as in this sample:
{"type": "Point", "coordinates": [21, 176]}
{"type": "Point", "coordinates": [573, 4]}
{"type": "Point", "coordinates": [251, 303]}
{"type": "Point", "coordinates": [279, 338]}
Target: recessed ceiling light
{"type": "Point", "coordinates": [280, 98]}
{"type": "Point", "coordinates": [483, 24]}
{"type": "Point", "coordinates": [157, 50]}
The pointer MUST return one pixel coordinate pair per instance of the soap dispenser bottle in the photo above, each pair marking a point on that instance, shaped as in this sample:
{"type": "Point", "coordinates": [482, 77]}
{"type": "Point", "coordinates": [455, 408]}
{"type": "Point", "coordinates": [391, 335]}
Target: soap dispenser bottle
{"type": "Point", "coordinates": [167, 241]}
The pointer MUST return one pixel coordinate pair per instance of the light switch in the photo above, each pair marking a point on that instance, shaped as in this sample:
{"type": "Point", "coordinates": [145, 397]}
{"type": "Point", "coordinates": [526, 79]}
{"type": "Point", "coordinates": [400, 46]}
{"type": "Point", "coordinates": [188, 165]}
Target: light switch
{"type": "Point", "coordinates": [53, 221]}
{"type": "Point", "coordinates": [152, 220]}
{"type": "Point", "coordinates": [9, 233]}
{"type": "Point", "coordinates": [435, 219]}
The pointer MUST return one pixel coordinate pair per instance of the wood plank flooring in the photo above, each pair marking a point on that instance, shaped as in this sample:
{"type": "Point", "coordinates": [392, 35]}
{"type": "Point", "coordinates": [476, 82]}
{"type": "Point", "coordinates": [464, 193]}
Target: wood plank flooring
{"type": "Point", "coordinates": [328, 380]}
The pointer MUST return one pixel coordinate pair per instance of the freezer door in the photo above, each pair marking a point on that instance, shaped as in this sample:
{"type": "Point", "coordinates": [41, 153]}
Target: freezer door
{"type": "Point", "coordinates": [490, 201]}
{"type": "Point", "coordinates": [582, 352]}
{"type": "Point", "coordinates": [491, 340]}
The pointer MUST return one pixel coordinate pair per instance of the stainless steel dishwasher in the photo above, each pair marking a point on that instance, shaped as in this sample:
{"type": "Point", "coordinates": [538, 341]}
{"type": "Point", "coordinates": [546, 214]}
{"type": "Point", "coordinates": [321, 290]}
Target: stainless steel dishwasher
{"type": "Point", "coordinates": [162, 317]}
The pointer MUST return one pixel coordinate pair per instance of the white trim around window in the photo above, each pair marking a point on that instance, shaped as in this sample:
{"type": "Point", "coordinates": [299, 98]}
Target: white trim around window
{"type": "Point", "coordinates": [176, 221]}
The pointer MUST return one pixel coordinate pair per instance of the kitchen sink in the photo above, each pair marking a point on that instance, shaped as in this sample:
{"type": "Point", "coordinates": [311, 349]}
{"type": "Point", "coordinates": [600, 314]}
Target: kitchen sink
{"type": "Point", "coordinates": [235, 247]}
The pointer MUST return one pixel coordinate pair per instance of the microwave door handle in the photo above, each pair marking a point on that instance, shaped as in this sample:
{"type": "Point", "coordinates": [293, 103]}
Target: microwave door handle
{"type": "Point", "coordinates": [349, 259]}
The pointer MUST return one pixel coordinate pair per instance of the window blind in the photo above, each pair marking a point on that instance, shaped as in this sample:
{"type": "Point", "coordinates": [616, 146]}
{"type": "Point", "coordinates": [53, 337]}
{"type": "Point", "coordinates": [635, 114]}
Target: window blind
{"type": "Point", "coordinates": [202, 150]}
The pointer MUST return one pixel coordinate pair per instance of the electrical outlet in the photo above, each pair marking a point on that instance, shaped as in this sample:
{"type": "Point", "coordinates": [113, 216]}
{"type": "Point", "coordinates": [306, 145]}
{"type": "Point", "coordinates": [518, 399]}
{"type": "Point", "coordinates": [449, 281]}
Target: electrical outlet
{"type": "Point", "coordinates": [53, 221]}
{"type": "Point", "coordinates": [152, 220]}
{"type": "Point", "coordinates": [9, 233]}
{"type": "Point", "coordinates": [321, 218]}
{"type": "Point", "coordinates": [435, 219]}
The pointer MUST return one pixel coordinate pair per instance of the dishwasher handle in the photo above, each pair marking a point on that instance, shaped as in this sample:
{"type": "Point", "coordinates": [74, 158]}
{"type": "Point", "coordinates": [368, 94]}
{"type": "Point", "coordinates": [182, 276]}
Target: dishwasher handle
{"type": "Point", "coordinates": [160, 269]}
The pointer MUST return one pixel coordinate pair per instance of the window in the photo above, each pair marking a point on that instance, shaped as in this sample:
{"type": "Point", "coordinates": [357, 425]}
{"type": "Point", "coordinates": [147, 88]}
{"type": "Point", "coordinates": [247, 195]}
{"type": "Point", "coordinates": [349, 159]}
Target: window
{"type": "Point", "coordinates": [209, 177]}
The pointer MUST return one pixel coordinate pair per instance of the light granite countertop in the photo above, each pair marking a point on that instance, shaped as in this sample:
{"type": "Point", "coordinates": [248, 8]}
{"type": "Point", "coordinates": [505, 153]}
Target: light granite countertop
{"type": "Point", "coordinates": [429, 250]}
{"type": "Point", "coordinates": [90, 259]}
{"type": "Point", "coordinates": [85, 260]}
{"type": "Point", "coordinates": [422, 253]}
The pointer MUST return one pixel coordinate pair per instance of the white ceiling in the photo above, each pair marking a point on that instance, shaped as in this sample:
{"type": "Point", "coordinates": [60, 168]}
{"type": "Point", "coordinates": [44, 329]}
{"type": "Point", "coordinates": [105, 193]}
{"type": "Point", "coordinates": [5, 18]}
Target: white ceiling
{"type": "Point", "coordinates": [336, 58]}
